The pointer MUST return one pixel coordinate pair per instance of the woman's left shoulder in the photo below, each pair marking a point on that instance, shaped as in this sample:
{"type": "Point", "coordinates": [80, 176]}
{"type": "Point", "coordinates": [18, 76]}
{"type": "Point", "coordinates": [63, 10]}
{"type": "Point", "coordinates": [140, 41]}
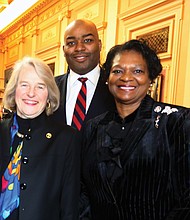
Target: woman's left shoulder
{"type": "Point", "coordinates": [166, 108]}
{"type": "Point", "coordinates": [170, 110]}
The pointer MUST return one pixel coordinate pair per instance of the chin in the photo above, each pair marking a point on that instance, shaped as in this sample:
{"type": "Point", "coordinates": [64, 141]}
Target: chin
{"type": "Point", "coordinates": [31, 115]}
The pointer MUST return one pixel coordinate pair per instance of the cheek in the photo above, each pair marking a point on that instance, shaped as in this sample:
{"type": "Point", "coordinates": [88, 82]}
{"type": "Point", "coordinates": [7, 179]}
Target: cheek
{"type": "Point", "coordinates": [112, 79]}
{"type": "Point", "coordinates": [95, 49]}
{"type": "Point", "coordinates": [44, 96]}
{"type": "Point", "coordinates": [67, 52]}
{"type": "Point", "coordinates": [144, 81]}
{"type": "Point", "coordinates": [43, 103]}
{"type": "Point", "coordinates": [111, 83]}
{"type": "Point", "coordinates": [17, 94]}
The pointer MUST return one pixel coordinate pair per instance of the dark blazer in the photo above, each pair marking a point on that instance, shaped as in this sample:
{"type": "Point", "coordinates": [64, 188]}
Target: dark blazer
{"type": "Point", "coordinates": [102, 100]}
{"type": "Point", "coordinates": [142, 171]}
{"type": "Point", "coordinates": [50, 170]}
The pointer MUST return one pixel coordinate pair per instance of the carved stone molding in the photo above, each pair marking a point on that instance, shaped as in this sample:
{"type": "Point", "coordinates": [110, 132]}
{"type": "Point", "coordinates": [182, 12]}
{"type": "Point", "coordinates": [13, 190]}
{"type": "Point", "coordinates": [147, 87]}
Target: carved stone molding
{"type": "Point", "coordinates": [34, 32]}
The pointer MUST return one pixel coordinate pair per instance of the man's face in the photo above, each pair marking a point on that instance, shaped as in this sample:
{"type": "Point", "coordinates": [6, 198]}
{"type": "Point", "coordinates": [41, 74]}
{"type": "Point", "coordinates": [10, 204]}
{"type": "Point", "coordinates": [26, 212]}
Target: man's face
{"type": "Point", "coordinates": [82, 47]}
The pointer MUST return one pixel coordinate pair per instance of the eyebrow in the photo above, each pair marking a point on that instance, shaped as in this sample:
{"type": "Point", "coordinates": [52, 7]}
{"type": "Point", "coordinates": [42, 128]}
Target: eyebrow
{"type": "Point", "coordinates": [83, 36]}
{"type": "Point", "coordinates": [38, 83]}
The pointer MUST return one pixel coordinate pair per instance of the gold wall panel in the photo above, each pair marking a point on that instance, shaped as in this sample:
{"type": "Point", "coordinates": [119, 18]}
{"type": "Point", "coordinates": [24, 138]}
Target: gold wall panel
{"type": "Point", "coordinates": [13, 54]}
{"type": "Point", "coordinates": [48, 37]}
{"type": "Point", "coordinates": [130, 7]}
{"type": "Point", "coordinates": [27, 50]}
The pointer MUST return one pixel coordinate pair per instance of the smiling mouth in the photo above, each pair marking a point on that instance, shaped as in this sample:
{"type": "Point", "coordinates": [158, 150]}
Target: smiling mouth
{"type": "Point", "coordinates": [30, 102]}
{"type": "Point", "coordinates": [127, 88]}
{"type": "Point", "coordinates": [80, 57]}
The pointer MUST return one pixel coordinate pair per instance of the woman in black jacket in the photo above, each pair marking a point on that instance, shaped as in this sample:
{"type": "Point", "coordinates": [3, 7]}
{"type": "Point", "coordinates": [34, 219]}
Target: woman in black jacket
{"type": "Point", "coordinates": [39, 159]}
{"type": "Point", "coordinates": [136, 161]}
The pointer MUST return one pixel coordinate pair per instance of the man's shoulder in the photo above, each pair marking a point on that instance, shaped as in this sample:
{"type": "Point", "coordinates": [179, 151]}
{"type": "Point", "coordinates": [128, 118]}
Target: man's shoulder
{"type": "Point", "coordinates": [61, 78]}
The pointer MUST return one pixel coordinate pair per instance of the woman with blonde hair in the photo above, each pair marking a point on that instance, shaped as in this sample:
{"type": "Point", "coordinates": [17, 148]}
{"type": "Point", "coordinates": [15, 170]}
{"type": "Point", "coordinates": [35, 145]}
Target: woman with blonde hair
{"type": "Point", "coordinates": [39, 163]}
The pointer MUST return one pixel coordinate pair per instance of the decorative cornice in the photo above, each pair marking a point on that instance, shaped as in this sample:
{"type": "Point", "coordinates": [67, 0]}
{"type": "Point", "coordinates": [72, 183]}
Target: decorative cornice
{"type": "Point", "coordinates": [34, 13]}
{"type": "Point", "coordinates": [34, 32]}
{"type": "Point", "coordinates": [21, 40]}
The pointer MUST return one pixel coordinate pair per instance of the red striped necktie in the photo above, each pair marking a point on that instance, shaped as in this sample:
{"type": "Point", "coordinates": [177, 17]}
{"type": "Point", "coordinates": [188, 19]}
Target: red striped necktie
{"type": "Point", "coordinates": [80, 106]}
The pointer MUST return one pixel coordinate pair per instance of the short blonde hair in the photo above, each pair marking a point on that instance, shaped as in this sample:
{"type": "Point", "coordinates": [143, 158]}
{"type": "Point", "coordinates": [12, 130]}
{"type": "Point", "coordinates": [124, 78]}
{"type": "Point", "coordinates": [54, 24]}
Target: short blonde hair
{"type": "Point", "coordinates": [45, 74]}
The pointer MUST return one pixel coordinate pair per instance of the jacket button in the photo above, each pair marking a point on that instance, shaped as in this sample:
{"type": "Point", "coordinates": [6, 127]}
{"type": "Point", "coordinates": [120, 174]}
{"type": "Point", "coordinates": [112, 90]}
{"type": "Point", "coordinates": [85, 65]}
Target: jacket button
{"type": "Point", "coordinates": [27, 136]}
{"type": "Point", "coordinates": [25, 160]}
{"type": "Point", "coordinates": [23, 186]}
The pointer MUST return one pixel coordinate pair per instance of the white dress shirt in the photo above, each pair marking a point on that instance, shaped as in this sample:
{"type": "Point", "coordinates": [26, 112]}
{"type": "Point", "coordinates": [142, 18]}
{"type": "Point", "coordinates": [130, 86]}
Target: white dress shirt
{"type": "Point", "coordinates": [74, 86]}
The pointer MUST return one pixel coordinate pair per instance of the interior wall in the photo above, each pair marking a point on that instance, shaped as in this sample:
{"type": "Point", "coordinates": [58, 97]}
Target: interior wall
{"type": "Point", "coordinates": [39, 32]}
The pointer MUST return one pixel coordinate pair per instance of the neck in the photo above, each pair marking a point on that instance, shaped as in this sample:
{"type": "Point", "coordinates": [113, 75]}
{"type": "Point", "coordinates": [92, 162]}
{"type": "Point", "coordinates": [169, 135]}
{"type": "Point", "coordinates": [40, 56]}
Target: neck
{"type": "Point", "coordinates": [126, 109]}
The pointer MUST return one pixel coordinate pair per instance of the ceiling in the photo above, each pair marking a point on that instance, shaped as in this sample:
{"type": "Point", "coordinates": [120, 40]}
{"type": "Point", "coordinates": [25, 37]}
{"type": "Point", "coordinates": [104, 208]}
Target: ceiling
{"type": "Point", "coordinates": [12, 9]}
{"type": "Point", "coordinates": [4, 4]}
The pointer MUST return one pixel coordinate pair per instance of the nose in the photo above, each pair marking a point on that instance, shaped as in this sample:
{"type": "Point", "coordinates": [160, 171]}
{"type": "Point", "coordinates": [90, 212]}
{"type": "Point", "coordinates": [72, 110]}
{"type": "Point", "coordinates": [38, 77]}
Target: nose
{"type": "Point", "coordinates": [80, 46]}
{"type": "Point", "coordinates": [31, 91]}
{"type": "Point", "coordinates": [126, 76]}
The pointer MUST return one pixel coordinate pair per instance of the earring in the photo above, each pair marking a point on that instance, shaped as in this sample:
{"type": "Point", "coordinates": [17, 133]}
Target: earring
{"type": "Point", "coordinates": [149, 92]}
{"type": "Point", "coordinates": [48, 106]}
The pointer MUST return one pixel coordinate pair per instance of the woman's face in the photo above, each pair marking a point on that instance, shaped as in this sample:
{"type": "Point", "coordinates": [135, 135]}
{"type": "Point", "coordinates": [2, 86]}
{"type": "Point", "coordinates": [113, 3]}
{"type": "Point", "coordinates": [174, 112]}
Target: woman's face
{"type": "Point", "coordinates": [31, 93]}
{"type": "Point", "coordinates": [129, 78]}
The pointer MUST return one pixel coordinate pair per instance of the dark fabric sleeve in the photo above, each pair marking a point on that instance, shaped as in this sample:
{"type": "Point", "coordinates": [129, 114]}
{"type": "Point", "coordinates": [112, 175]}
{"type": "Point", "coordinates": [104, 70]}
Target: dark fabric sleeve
{"type": "Point", "coordinates": [84, 204]}
{"type": "Point", "coordinates": [71, 179]}
{"type": "Point", "coordinates": [181, 168]}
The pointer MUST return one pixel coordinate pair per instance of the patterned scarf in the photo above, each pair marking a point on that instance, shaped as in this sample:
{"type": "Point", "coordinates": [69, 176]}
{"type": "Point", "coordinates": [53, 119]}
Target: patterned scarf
{"type": "Point", "coordinates": [10, 192]}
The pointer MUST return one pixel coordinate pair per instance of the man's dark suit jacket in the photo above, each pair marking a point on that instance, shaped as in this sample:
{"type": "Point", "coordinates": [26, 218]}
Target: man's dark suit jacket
{"type": "Point", "coordinates": [102, 100]}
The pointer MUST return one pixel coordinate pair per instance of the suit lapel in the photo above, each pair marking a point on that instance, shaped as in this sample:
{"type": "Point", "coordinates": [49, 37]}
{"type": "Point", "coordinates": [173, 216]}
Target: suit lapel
{"type": "Point", "coordinates": [63, 90]}
{"type": "Point", "coordinates": [95, 102]}
{"type": "Point", "coordinates": [102, 100]}
{"type": "Point", "coordinates": [62, 85]}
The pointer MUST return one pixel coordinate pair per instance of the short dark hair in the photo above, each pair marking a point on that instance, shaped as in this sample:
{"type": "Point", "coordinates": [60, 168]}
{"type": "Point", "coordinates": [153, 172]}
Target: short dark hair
{"type": "Point", "coordinates": [140, 46]}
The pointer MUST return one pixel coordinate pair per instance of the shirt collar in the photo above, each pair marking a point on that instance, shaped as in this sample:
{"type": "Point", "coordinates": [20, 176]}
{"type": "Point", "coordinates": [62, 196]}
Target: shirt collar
{"type": "Point", "coordinates": [92, 76]}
